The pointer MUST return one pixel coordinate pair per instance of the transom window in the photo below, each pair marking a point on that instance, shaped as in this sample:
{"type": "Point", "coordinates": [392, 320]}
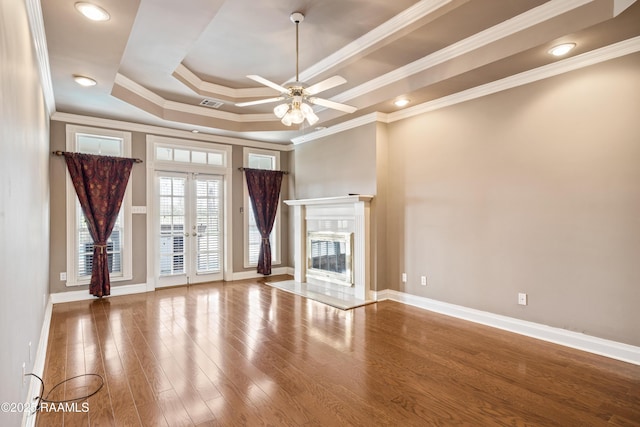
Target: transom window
{"type": "Point", "coordinates": [188, 155]}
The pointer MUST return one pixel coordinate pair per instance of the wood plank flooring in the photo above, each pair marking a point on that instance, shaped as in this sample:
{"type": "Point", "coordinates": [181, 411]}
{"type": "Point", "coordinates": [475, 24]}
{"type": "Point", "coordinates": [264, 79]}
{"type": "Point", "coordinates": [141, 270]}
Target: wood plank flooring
{"type": "Point", "coordinates": [243, 353]}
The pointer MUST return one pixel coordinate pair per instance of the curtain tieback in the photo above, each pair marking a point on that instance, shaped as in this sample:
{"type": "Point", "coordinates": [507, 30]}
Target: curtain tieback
{"type": "Point", "coordinates": [265, 239]}
{"type": "Point", "coordinates": [102, 247]}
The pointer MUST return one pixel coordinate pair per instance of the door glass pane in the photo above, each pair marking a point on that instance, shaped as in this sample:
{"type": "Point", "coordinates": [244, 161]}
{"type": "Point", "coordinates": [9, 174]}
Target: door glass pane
{"type": "Point", "coordinates": [181, 155]}
{"type": "Point", "coordinates": [198, 157]}
{"type": "Point", "coordinates": [172, 225]}
{"type": "Point", "coordinates": [208, 225]}
{"type": "Point", "coordinates": [163, 153]}
{"type": "Point", "coordinates": [215, 159]}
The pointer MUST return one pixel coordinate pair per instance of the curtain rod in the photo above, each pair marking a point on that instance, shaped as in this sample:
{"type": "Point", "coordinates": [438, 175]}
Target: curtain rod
{"type": "Point", "coordinates": [243, 169]}
{"type": "Point", "coordinates": [61, 153]}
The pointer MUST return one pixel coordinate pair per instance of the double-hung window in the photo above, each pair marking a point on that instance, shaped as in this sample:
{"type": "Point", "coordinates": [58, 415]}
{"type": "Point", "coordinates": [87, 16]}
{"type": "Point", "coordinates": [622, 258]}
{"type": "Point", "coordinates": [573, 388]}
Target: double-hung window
{"type": "Point", "coordinates": [79, 242]}
{"type": "Point", "coordinates": [259, 159]}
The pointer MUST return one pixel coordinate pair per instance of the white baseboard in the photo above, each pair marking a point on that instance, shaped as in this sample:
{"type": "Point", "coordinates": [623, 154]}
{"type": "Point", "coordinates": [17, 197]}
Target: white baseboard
{"type": "Point", "coordinates": [85, 295]}
{"type": "Point", "coordinates": [29, 419]}
{"type": "Point", "coordinates": [243, 275]}
{"type": "Point", "coordinates": [613, 349]}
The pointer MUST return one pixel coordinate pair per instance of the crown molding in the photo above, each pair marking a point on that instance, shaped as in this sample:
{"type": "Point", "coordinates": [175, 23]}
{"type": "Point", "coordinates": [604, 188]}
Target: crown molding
{"type": "Point", "coordinates": [377, 35]}
{"type": "Point", "coordinates": [217, 114]}
{"type": "Point", "coordinates": [164, 131]}
{"type": "Point", "coordinates": [580, 61]}
{"type": "Point", "coordinates": [500, 31]}
{"type": "Point", "coordinates": [603, 54]}
{"type": "Point", "coordinates": [187, 77]}
{"type": "Point", "coordinates": [344, 126]}
{"type": "Point", "coordinates": [196, 110]}
{"type": "Point", "coordinates": [394, 25]}
{"type": "Point", "coordinates": [584, 60]}
{"type": "Point", "coordinates": [139, 90]}
{"type": "Point", "coordinates": [36, 23]}
{"type": "Point", "coordinates": [620, 6]}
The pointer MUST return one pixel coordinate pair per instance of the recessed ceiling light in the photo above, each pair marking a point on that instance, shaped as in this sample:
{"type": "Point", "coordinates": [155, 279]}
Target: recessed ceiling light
{"type": "Point", "coordinates": [195, 131]}
{"type": "Point", "coordinates": [85, 81]}
{"type": "Point", "coordinates": [93, 12]}
{"type": "Point", "coordinates": [561, 49]}
{"type": "Point", "coordinates": [401, 102]}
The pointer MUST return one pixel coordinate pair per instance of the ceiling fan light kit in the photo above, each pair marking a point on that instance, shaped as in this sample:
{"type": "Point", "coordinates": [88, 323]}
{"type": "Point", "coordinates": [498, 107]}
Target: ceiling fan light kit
{"type": "Point", "coordinates": [297, 95]}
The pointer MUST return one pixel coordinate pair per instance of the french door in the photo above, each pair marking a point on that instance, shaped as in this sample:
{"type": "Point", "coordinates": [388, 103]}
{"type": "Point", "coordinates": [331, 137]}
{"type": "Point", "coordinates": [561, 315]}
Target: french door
{"type": "Point", "coordinates": [189, 228]}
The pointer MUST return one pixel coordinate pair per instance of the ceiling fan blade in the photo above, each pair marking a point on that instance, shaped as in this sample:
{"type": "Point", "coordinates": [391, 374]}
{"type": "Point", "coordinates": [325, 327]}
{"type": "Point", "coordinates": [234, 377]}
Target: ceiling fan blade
{"type": "Point", "coordinates": [334, 105]}
{"type": "Point", "coordinates": [259, 101]}
{"type": "Point", "coordinates": [329, 83]}
{"type": "Point", "coordinates": [269, 83]}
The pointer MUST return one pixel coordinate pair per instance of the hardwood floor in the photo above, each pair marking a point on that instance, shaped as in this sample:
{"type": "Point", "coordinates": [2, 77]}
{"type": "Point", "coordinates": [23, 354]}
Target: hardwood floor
{"type": "Point", "coordinates": [243, 353]}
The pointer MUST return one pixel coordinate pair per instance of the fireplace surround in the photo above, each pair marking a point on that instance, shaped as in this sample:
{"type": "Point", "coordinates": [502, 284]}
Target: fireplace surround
{"type": "Point", "coordinates": [341, 226]}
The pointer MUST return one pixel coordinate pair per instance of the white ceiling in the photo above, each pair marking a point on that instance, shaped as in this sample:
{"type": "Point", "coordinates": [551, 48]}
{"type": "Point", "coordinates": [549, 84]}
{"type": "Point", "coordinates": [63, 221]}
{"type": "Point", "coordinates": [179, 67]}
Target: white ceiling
{"type": "Point", "coordinates": [156, 60]}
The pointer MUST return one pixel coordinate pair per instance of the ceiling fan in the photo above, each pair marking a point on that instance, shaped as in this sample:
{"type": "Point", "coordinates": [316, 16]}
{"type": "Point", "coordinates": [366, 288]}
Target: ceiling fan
{"type": "Point", "coordinates": [297, 95]}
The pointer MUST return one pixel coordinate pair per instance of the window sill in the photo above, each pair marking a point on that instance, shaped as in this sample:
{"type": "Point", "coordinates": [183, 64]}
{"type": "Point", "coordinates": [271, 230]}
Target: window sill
{"type": "Point", "coordinates": [256, 264]}
{"type": "Point", "coordinates": [88, 281]}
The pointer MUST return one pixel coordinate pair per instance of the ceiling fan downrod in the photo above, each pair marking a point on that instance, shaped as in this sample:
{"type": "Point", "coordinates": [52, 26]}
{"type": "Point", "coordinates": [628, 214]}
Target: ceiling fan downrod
{"type": "Point", "coordinates": [297, 18]}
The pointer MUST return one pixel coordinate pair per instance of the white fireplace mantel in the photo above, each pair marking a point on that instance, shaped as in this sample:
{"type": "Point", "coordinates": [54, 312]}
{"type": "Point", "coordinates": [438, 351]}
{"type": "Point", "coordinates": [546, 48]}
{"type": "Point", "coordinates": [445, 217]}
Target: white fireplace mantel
{"type": "Point", "coordinates": [353, 209]}
{"type": "Point", "coordinates": [330, 200]}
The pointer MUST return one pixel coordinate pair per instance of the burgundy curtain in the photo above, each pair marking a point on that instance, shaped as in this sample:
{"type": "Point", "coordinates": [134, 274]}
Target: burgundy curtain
{"type": "Point", "coordinates": [100, 183]}
{"type": "Point", "coordinates": [264, 191]}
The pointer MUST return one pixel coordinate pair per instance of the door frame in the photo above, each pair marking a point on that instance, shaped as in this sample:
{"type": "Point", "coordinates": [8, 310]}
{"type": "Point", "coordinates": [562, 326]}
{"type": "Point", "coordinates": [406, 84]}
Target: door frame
{"type": "Point", "coordinates": [225, 170]}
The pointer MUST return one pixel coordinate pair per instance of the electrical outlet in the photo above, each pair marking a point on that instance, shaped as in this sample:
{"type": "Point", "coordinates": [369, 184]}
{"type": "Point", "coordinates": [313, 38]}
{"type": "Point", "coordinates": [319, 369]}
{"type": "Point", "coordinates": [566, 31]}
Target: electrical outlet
{"type": "Point", "coordinates": [423, 280]}
{"type": "Point", "coordinates": [63, 276]}
{"type": "Point", "coordinates": [404, 277]}
{"type": "Point", "coordinates": [522, 298]}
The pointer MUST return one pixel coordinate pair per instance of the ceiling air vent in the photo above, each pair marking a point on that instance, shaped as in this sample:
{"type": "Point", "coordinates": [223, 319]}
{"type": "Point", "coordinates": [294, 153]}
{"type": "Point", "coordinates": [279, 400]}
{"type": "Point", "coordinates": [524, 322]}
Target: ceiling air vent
{"type": "Point", "coordinates": [211, 103]}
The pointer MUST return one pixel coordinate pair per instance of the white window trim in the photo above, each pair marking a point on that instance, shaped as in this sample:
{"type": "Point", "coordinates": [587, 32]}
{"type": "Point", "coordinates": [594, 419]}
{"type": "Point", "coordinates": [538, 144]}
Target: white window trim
{"type": "Point", "coordinates": [71, 200]}
{"type": "Point", "coordinates": [276, 258]}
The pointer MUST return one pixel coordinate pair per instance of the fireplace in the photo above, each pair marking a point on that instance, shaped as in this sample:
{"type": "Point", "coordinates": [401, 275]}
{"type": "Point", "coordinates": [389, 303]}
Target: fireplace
{"type": "Point", "coordinates": [332, 245]}
{"type": "Point", "coordinates": [329, 257]}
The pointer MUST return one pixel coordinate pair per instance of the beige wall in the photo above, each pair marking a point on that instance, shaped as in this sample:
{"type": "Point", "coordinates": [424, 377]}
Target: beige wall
{"type": "Point", "coordinates": [353, 161]}
{"type": "Point", "coordinates": [379, 247]}
{"type": "Point", "coordinates": [139, 195]}
{"type": "Point", "coordinates": [536, 190]}
{"type": "Point", "coordinates": [24, 205]}
{"type": "Point", "coordinates": [337, 165]}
